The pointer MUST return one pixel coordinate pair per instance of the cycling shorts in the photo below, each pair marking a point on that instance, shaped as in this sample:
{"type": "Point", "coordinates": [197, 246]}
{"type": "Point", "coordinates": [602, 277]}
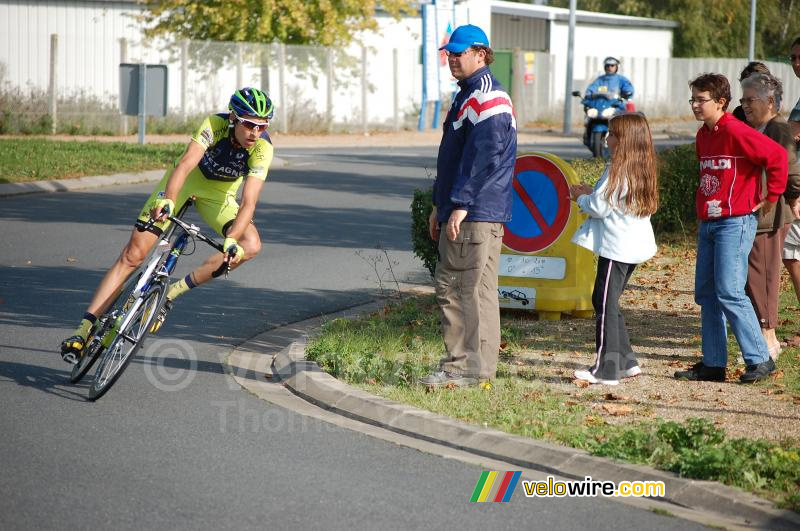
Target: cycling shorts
{"type": "Point", "coordinates": [215, 201]}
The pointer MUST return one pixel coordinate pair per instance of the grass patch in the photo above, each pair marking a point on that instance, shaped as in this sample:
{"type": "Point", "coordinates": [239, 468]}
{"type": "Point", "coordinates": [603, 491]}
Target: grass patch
{"type": "Point", "coordinates": [30, 159]}
{"type": "Point", "coordinates": [386, 352]}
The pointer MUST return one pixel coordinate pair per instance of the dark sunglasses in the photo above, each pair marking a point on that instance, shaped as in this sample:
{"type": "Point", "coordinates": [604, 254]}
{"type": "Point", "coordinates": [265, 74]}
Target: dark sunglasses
{"type": "Point", "coordinates": [793, 58]}
{"type": "Point", "coordinates": [249, 124]}
{"type": "Point", "coordinates": [459, 54]}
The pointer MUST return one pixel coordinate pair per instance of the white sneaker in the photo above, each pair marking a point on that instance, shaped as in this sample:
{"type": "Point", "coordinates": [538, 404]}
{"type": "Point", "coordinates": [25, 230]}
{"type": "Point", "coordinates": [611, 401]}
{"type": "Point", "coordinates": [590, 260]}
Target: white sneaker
{"type": "Point", "coordinates": [587, 376]}
{"type": "Point", "coordinates": [633, 371]}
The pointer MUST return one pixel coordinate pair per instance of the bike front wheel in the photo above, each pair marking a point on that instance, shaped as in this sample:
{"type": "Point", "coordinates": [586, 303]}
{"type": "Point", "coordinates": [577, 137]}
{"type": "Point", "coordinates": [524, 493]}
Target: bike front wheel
{"type": "Point", "coordinates": [128, 341]}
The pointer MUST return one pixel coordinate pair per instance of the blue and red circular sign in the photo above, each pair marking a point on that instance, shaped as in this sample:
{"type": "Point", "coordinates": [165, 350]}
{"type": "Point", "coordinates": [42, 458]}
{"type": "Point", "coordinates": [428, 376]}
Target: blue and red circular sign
{"type": "Point", "coordinates": [541, 205]}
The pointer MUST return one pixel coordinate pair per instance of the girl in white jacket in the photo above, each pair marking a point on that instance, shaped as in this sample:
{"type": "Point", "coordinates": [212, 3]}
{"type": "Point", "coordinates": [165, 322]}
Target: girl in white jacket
{"type": "Point", "coordinates": [618, 230]}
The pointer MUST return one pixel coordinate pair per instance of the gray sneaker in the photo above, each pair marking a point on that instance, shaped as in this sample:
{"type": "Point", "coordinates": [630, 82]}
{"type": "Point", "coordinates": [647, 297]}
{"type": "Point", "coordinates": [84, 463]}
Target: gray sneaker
{"type": "Point", "coordinates": [444, 378]}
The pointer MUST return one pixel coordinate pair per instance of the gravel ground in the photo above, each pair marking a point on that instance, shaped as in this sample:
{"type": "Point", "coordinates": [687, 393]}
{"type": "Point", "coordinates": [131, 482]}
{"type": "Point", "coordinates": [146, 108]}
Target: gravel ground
{"type": "Point", "coordinates": [664, 325]}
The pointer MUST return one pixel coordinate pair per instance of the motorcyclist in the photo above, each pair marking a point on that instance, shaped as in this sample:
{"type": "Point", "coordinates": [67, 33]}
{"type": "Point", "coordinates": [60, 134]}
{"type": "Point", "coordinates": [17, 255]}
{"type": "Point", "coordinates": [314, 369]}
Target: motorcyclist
{"type": "Point", "coordinates": [611, 84]}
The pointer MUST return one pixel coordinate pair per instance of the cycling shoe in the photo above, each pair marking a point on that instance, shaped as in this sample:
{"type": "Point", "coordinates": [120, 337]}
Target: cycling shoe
{"type": "Point", "coordinates": [72, 348]}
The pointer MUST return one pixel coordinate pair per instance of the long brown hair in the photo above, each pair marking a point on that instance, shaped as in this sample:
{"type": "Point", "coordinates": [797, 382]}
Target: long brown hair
{"type": "Point", "coordinates": [634, 166]}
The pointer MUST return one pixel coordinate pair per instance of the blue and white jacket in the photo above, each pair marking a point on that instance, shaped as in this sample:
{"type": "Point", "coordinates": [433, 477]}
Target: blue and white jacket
{"type": "Point", "coordinates": [476, 159]}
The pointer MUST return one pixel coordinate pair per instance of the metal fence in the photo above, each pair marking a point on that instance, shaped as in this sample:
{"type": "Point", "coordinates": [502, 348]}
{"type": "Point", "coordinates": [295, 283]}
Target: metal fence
{"type": "Point", "coordinates": [661, 84]}
{"type": "Point", "coordinates": [354, 89]}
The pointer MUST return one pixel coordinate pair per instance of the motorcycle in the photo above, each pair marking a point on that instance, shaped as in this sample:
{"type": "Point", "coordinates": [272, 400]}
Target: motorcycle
{"type": "Point", "coordinates": [599, 109]}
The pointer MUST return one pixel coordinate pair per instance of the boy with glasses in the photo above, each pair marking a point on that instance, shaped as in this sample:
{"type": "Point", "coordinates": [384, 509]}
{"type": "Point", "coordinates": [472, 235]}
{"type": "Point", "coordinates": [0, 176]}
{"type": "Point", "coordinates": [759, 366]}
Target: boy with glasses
{"type": "Point", "coordinates": [732, 156]}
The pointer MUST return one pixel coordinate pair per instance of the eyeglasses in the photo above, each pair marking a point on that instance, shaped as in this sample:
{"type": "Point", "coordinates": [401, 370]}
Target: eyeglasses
{"type": "Point", "coordinates": [249, 124]}
{"type": "Point", "coordinates": [454, 54]}
{"type": "Point", "coordinates": [794, 58]}
{"type": "Point", "coordinates": [748, 101]}
{"type": "Point", "coordinates": [698, 101]}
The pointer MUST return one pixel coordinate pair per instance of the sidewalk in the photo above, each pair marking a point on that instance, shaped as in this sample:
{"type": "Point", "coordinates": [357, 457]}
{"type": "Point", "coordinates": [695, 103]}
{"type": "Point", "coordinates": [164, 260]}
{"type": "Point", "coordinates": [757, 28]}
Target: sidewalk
{"type": "Point", "coordinates": [266, 361]}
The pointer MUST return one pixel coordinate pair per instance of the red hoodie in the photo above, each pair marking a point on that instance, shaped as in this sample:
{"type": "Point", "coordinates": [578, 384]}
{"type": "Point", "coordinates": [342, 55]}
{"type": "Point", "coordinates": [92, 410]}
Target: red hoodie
{"type": "Point", "coordinates": [732, 155]}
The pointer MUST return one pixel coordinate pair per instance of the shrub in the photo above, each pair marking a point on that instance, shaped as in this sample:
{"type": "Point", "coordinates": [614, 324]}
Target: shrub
{"type": "Point", "coordinates": [678, 177]}
{"type": "Point", "coordinates": [424, 247]}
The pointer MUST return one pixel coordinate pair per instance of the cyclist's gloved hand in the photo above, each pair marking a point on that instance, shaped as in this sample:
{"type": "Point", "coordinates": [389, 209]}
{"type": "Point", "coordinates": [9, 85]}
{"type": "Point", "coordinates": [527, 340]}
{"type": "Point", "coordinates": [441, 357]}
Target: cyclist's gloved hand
{"type": "Point", "coordinates": [162, 207]}
{"type": "Point", "coordinates": [231, 246]}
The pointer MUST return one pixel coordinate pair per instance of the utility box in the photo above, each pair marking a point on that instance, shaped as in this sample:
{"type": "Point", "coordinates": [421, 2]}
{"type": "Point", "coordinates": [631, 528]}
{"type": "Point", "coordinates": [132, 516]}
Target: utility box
{"type": "Point", "coordinates": [540, 268]}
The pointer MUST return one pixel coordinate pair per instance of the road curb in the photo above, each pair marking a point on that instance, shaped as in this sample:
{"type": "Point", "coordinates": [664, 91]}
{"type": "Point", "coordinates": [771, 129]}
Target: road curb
{"type": "Point", "coordinates": [307, 380]}
{"type": "Point", "coordinates": [98, 181]}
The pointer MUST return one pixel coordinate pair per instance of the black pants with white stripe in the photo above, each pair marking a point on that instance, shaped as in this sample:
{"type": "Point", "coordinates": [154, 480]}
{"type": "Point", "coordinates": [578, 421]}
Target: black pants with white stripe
{"type": "Point", "coordinates": [613, 352]}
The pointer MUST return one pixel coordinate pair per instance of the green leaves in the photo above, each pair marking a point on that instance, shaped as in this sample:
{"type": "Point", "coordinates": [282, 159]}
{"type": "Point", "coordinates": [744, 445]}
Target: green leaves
{"type": "Point", "coordinates": [713, 29]}
{"type": "Point", "coordinates": [325, 22]}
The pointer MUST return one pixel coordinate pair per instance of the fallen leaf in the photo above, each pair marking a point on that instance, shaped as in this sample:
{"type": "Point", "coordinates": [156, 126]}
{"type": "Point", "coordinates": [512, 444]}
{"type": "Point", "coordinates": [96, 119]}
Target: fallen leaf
{"type": "Point", "coordinates": [593, 420]}
{"type": "Point", "coordinates": [675, 363]}
{"type": "Point", "coordinates": [655, 397]}
{"type": "Point", "coordinates": [371, 381]}
{"type": "Point", "coordinates": [616, 410]}
{"type": "Point", "coordinates": [503, 345]}
{"type": "Point", "coordinates": [612, 396]}
{"type": "Point", "coordinates": [777, 375]}
{"type": "Point", "coordinates": [570, 403]}
{"type": "Point", "coordinates": [581, 383]}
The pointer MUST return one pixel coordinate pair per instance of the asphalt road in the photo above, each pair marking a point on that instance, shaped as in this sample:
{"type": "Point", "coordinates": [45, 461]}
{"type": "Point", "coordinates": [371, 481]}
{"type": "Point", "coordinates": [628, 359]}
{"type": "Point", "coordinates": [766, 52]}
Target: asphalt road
{"type": "Point", "coordinates": [176, 443]}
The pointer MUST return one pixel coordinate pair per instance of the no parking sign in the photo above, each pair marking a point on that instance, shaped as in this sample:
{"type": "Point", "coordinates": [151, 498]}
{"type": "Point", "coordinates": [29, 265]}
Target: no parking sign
{"type": "Point", "coordinates": [541, 204]}
{"type": "Point", "coordinates": [540, 268]}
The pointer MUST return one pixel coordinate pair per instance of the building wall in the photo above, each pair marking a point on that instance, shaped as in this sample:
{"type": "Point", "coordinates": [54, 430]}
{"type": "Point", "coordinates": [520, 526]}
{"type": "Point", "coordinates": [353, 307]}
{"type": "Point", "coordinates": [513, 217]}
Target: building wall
{"type": "Point", "coordinates": [88, 37]}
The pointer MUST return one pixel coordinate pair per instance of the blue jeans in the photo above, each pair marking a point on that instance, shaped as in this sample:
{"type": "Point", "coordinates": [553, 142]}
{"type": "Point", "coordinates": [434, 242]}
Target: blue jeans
{"type": "Point", "coordinates": [720, 277]}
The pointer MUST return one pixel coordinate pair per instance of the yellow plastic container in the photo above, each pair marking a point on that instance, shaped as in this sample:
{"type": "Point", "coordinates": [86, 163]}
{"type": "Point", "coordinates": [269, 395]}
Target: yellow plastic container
{"type": "Point", "coordinates": [540, 268]}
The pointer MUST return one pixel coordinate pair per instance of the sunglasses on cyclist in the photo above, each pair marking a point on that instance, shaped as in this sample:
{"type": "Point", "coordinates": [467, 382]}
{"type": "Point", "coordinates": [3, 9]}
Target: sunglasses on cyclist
{"type": "Point", "coordinates": [250, 124]}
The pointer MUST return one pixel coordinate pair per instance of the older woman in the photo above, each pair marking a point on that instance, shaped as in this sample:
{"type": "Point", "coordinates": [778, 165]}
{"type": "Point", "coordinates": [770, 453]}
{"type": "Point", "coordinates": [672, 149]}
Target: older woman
{"type": "Point", "coordinates": [761, 102]}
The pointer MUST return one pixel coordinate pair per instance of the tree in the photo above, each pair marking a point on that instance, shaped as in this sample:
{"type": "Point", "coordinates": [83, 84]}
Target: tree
{"type": "Point", "coordinates": [323, 22]}
{"type": "Point", "coordinates": [713, 29]}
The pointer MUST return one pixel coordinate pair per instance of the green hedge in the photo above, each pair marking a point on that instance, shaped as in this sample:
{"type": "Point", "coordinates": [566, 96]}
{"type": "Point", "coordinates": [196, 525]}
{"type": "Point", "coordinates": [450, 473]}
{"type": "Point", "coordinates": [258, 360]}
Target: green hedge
{"type": "Point", "coordinates": [678, 176]}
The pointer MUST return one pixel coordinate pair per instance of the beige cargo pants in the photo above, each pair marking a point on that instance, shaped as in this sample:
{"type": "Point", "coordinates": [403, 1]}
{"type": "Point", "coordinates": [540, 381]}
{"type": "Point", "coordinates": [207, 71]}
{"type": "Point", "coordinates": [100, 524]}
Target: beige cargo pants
{"type": "Point", "coordinates": [466, 290]}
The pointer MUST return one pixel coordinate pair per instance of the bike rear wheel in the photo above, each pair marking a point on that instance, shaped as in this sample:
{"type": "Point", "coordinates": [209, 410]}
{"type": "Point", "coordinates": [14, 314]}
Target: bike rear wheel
{"type": "Point", "coordinates": [128, 341]}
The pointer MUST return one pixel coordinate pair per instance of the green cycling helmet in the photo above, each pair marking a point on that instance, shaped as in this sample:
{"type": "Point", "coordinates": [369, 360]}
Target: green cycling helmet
{"type": "Point", "coordinates": [253, 102]}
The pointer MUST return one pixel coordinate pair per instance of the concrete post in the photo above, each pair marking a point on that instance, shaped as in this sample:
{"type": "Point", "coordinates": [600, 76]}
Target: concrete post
{"type": "Point", "coordinates": [396, 91]}
{"type": "Point", "coordinates": [53, 83]}
{"type": "Point", "coordinates": [284, 127]}
{"type": "Point", "coordinates": [184, 76]}
{"type": "Point", "coordinates": [123, 58]}
{"type": "Point", "coordinates": [329, 85]}
{"type": "Point", "coordinates": [364, 91]}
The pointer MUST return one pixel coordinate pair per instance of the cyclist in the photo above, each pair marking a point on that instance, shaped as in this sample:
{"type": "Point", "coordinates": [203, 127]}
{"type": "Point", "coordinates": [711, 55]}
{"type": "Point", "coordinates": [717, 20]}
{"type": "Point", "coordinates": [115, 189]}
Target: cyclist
{"type": "Point", "coordinates": [226, 150]}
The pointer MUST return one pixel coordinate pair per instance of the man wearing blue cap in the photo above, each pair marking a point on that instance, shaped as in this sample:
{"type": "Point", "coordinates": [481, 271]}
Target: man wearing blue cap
{"type": "Point", "coordinates": [472, 200]}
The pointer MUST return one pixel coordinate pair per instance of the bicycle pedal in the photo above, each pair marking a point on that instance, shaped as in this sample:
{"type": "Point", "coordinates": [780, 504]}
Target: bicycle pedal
{"type": "Point", "coordinates": [161, 317]}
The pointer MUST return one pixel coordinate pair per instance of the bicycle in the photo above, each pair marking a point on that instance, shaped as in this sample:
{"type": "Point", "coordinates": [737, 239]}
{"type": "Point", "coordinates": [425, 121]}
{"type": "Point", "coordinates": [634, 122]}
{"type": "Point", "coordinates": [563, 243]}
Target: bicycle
{"type": "Point", "coordinates": [120, 332]}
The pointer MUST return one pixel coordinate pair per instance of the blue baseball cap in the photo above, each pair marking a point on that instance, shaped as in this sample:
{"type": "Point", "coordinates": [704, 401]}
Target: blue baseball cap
{"type": "Point", "coordinates": [464, 37]}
